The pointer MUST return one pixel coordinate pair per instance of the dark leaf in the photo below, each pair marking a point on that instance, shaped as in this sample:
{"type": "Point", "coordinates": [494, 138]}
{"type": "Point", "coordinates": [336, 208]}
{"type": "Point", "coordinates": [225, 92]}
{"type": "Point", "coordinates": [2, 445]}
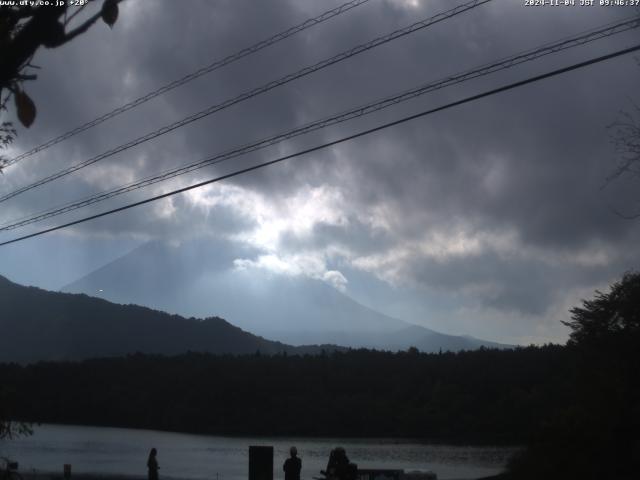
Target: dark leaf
{"type": "Point", "coordinates": [25, 107]}
{"type": "Point", "coordinates": [53, 34]}
{"type": "Point", "coordinates": [110, 12]}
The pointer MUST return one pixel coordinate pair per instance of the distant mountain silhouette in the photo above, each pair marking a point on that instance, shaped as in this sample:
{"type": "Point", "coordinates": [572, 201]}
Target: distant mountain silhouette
{"type": "Point", "coordinates": [38, 325]}
{"type": "Point", "coordinates": [199, 279]}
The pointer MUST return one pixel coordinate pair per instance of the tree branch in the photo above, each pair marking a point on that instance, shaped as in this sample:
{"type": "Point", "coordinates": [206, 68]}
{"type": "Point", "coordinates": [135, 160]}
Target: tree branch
{"type": "Point", "coordinates": [81, 28]}
{"type": "Point", "coordinates": [68, 20]}
{"type": "Point", "coordinates": [84, 27]}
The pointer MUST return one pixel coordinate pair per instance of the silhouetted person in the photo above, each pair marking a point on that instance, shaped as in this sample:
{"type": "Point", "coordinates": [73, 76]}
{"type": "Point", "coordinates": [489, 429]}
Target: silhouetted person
{"type": "Point", "coordinates": [152, 464]}
{"type": "Point", "coordinates": [292, 465]}
{"type": "Point", "coordinates": [339, 466]}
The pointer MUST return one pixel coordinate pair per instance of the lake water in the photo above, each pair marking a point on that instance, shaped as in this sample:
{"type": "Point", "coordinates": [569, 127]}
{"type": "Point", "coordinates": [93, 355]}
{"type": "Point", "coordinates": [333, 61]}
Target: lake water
{"type": "Point", "coordinates": [183, 456]}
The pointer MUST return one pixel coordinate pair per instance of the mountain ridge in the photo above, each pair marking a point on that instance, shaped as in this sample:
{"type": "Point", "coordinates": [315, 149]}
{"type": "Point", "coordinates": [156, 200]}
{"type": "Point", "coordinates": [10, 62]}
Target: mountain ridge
{"type": "Point", "coordinates": [195, 279]}
{"type": "Point", "coordinates": [40, 325]}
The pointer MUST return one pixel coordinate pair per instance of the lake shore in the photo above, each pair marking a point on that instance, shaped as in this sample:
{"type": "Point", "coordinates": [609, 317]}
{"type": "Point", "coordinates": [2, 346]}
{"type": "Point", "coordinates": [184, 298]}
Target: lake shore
{"type": "Point", "coordinates": [98, 476]}
{"type": "Point", "coordinates": [82, 476]}
{"type": "Point", "coordinates": [121, 454]}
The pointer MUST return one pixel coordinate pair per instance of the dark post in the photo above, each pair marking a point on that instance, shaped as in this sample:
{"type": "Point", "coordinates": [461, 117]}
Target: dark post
{"type": "Point", "coordinates": [260, 463]}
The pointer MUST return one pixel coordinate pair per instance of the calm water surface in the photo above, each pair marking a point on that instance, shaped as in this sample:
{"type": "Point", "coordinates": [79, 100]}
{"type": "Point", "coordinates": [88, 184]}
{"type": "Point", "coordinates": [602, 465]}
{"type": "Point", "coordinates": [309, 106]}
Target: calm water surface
{"type": "Point", "coordinates": [184, 456]}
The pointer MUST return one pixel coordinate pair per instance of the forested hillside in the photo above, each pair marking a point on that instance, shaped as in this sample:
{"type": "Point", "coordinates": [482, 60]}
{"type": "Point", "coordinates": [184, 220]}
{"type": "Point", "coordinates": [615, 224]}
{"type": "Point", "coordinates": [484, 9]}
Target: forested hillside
{"type": "Point", "coordinates": [39, 325]}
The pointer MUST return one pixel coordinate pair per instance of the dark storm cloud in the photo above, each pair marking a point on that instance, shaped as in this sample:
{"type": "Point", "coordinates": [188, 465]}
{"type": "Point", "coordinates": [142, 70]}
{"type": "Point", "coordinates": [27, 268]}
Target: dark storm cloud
{"type": "Point", "coordinates": [524, 169]}
{"type": "Point", "coordinates": [511, 284]}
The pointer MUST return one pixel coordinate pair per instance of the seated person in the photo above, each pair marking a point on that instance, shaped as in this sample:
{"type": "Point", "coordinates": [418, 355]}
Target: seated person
{"type": "Point", "coordinates": [339, 467]}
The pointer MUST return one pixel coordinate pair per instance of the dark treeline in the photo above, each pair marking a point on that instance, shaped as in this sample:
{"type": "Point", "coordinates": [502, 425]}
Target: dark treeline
{"type": "Point", "coordinates": [496, 396]}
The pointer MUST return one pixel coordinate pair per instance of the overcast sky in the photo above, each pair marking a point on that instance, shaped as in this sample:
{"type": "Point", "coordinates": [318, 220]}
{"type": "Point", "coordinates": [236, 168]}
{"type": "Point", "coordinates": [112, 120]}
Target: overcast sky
{"type": "Point", "coordinates": [487, 219]}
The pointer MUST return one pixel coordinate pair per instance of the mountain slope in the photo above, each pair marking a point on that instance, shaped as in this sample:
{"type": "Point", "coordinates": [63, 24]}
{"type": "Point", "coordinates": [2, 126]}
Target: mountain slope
{"type": "Point", "coordinates": [191, 281]}
{"type": "Point", "coordinates": [199, 279]}
{"type": "Point", "coordinates": [41, 325]}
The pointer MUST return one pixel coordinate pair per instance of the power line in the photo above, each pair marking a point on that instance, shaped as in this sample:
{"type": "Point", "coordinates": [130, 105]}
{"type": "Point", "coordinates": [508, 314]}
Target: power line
{"type": "Point", "coordinates": [192, 76]}
{"type": "Point", "coordinates": [508, 62]}
{"type": "Point", "coordinates": [256, 91]}
{"type": "Point", "coordinates": [336, 142]}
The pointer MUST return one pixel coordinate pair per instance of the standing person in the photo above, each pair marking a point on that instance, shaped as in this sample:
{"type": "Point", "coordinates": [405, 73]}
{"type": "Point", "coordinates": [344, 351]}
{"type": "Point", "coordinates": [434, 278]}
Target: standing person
{"type": "Point", "coordinates": [152, 464]}
{"type": "Point", "coordinates": [292, 465]}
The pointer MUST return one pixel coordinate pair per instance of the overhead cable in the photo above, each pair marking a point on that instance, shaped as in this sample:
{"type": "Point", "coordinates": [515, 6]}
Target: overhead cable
{"type": "Point", "coordinates": [362, 110]}
{"type": "Point", "coordinates": [256, 91]}
{"type": "Point", "coordinates": [256, 47]}
{"type": "Point", "coordinates": [323, 146]}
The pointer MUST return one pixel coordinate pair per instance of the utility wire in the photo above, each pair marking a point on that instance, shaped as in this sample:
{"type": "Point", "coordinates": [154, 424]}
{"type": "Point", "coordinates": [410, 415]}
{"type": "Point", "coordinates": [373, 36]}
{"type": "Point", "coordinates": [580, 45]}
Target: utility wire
{"type": "Point", "coordinates": [363, 133]}
{"type": "Point", "coordinates": [256, 91]}
{"type": "Point", "coordinates": [508, 62]}
{"type": "Point", "coordinates": [311, 22]}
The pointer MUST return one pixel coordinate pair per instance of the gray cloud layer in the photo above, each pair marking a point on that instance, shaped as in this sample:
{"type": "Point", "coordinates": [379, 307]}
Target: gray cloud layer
{"type": "Point", "coordinates": [488, 218]}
